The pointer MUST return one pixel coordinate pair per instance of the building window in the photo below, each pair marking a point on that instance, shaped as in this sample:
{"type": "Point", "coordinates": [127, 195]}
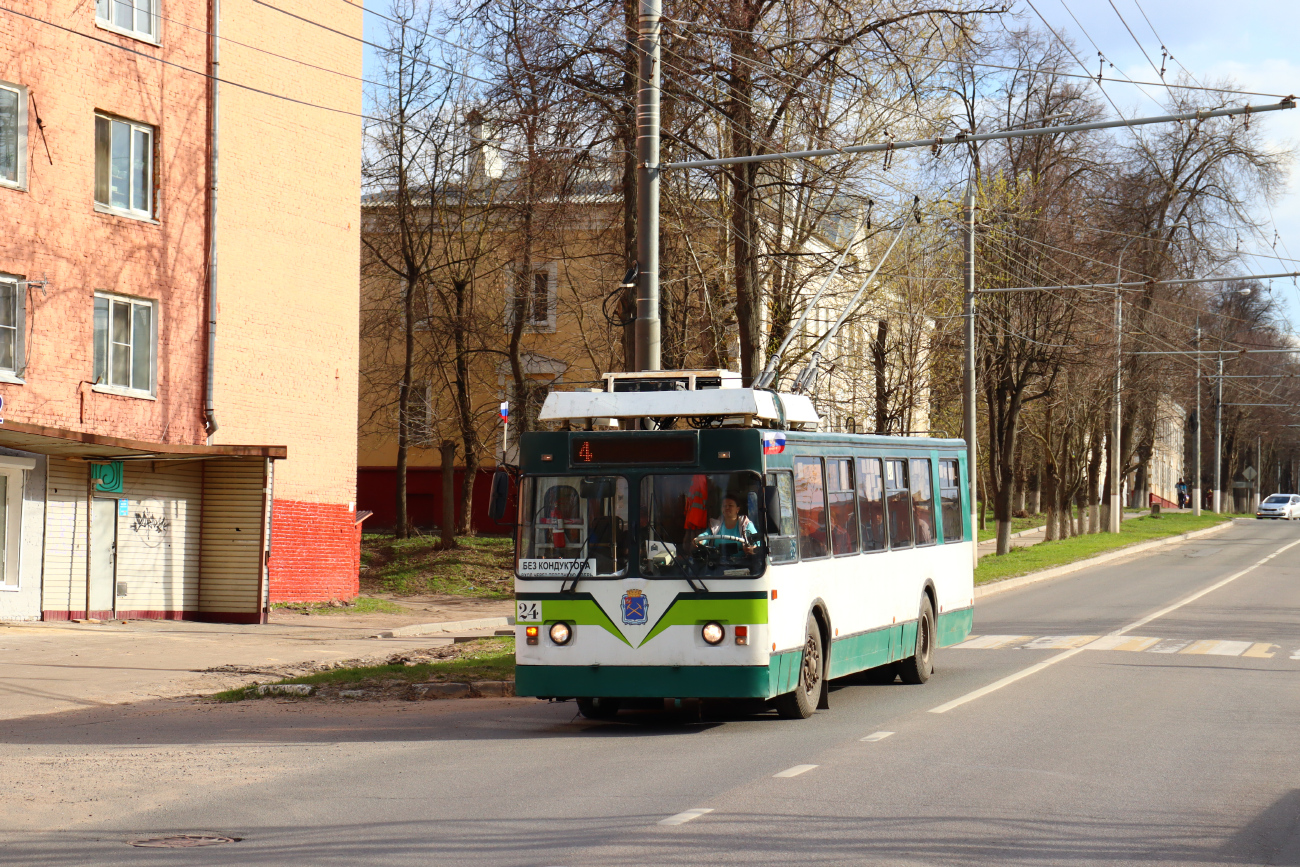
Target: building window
{"type": "Point", "coordinates": [13, 135]}
{"type": "Point", "coordinates": [125, 330]}
{"type": "Point", "coordinates": [138, 18]}
{"type": "Point", "coordinates": [124, 166]}
{"type": "Point", "coordinates": [12, 309]}
{"type": "Point", "coordinates": [538, 302]}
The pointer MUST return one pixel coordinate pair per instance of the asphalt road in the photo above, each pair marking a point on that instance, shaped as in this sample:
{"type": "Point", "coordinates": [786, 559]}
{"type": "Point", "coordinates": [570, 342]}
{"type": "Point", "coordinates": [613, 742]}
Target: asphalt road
{"type": "Point", "coordinates": [1180, 746]}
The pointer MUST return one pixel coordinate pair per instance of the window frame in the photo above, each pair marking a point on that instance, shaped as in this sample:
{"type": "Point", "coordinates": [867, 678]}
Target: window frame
{"type": "Point", "coordinates": [954, 488]}
{"type": "Point", "coordinates": [15, 376]}
{"type": "Point", "coordinates": [912, 489]}
{"type": "Point", "coordinates": [20, 156]}
{"type": "Point", "coordinates": [889, 511]}
{"type": "Point", "coordinates": [514, 284]}
{"type": "Point", "coordinates": [155, 16]}
{"type": "Point", "coordinates": [151, 170]}
{"type": "Point", "coordinates": [125, 391]}
{"type": "Point", "coordinates": [884, 502]}
{"type": "Point", "coordinates": [825, 522]}
{"type": "Point", "coordinates": [788, 475]}
{"type": "Point", "coordinates": [856, 548]}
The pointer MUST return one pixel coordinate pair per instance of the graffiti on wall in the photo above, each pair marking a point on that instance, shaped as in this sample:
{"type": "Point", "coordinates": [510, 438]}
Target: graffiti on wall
{"type": "Point", "coordinates": [150, 522]}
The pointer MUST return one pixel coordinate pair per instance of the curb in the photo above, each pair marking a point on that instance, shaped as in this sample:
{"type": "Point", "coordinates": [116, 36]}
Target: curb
{"type": "Point", "coordinates": [447, 626]}
{"type": "Point", "coordinates": [1056, 571]}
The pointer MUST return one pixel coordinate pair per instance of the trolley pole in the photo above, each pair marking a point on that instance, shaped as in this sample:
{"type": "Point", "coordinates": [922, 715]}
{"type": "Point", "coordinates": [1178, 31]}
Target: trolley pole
{"type": "Point", "coordinates": [647, 185]}
{"type": "Point", "coordinates": [968, 391]}
{"type": "Point", "coordinates": [1196, 474]}
{"type": "Point", "coordinates": [1218, 442]}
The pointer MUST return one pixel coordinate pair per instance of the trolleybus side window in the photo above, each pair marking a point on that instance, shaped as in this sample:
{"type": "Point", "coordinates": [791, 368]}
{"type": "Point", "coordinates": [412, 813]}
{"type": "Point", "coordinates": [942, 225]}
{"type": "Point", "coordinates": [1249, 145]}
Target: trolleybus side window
{"type": "Point", "coordinates": [922, 502]}
{"type": "Point", "coordinates": [843, 517]}
{"type": "Point", "coordinates": [950, 500]}
{"type": "Point", "coordinates": [899, 498]}
{"type": "Point", "coordinates": [871, 504]}
{"type": "Point", "coordinates": [782, 531]}
{"type": "Point", "coordinates": [810, 504]}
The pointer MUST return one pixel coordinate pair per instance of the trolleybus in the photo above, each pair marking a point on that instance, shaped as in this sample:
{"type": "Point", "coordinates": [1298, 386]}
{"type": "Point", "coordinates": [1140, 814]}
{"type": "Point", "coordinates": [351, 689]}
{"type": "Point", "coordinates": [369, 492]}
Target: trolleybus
{"type": "Point", "coordinates": [731, 558]}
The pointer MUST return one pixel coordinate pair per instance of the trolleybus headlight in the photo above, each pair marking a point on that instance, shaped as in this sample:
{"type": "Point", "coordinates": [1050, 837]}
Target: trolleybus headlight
{"type": "Point", "coordinates": [560, 633]}
{"type": "Point", "coordinates": [530, 634]}
{"type": "Point", "coordinates": [713, 633]}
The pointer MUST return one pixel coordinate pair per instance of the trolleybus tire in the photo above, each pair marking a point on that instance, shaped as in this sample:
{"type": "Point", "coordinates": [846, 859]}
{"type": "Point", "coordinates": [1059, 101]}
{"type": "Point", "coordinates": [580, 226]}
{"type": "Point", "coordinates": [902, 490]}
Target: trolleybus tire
{"type": "Point", "coordinates": [599, 708]}
{"type": "Point", "coordinates": [801, 703]}
{"type": "Point", "coordinates": [918, 667]}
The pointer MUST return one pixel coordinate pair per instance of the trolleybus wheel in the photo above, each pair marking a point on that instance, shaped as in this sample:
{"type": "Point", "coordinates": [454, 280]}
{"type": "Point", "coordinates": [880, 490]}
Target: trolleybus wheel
{"type": "Point", "coordinates": [801, 703]}
{"type": "Point", "coordinates": [599, 708]}
{"type": "Point", "coordinates": [919, 667]}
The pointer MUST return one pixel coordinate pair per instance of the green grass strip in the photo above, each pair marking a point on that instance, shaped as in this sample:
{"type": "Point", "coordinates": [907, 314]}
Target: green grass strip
{"type": "Point", "coordinates": [1045, 555]}
{"type": "Point", "coordinates": [490, 659]}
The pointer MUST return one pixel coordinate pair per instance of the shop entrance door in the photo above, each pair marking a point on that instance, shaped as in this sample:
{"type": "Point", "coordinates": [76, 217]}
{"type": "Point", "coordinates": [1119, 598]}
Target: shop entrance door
{"type": "Point", "coordinates": [103, 554]}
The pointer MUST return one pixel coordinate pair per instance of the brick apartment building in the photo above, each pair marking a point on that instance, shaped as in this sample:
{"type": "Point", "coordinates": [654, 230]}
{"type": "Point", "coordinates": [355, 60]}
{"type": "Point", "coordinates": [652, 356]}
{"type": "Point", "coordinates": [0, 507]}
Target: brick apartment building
{"type": "Point", "coordinates": [179, 237]}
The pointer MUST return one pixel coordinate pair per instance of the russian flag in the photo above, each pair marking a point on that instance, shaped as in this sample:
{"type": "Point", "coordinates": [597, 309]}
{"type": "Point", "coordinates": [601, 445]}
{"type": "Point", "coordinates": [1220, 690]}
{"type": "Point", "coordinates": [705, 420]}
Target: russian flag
{"type": "Point", "coordinates": [773, 442]}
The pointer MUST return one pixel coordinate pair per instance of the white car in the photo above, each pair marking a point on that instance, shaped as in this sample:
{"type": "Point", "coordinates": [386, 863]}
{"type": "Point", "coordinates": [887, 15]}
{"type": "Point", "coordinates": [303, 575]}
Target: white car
{"type": "Point", "coordinates": [1280, 506]}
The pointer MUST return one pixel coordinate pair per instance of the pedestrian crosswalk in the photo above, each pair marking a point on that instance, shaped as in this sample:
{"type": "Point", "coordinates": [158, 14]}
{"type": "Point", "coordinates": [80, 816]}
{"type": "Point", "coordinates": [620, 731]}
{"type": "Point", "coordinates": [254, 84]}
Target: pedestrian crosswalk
{"type": "Point", "coordinates": [1132, 643]}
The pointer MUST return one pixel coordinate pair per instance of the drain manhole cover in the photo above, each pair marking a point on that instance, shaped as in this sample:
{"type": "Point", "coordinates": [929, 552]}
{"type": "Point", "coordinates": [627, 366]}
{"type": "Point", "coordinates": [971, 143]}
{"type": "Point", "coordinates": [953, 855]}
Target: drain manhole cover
{"type": "Point", "coordinates": [183, 841]}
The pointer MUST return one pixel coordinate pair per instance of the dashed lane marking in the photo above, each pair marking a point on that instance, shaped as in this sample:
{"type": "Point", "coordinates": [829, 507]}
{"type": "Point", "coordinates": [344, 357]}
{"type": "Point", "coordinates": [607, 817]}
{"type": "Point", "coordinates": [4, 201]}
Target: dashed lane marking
{"type": "Point", "coordinates": [795, 771]}
{"type": "Point", "coordinates": [875, 736]}
{"type": "Point", "coordinates": [1131, 643]}
{"type": "Point", "coordinates": [683, 818]}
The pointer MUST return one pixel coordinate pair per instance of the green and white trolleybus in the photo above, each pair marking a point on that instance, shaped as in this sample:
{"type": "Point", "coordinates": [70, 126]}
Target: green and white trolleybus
{"type": "Point", "coordinates": [733, 552]}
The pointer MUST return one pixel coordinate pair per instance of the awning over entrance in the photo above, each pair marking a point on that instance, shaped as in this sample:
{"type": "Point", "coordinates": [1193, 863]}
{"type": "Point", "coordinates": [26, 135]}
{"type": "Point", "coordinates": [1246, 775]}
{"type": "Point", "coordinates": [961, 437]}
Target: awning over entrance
{"type": "Point", "coordinates": [59, 442]}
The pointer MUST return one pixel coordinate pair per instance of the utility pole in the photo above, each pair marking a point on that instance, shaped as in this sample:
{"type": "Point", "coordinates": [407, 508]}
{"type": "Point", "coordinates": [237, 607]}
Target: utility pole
{"type": "Point", "coordinates": [971, 416]}
{"type": "Point", "coordinates": [1259, 470]}
{"type": "Point", "coordinates": [647, 185]}
{"type": "Point", "coordinates": [1116, 507]}
{"type": "Point", "coordinates": [1196, 480]}
{"type": "Point", "coordinates": [1218, 442]}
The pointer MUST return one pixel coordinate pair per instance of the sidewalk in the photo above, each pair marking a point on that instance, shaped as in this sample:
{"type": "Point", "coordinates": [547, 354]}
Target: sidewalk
{"type": "Point", "coordinates": [50, 667]}
{"type": "Point", "coordinates": [1025, 538]}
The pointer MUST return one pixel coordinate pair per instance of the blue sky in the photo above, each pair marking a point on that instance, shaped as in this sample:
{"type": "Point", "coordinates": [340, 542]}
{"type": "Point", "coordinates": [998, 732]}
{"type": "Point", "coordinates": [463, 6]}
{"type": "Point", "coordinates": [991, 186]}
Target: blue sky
{"type": "Point", "coordinates": [1252, 42]}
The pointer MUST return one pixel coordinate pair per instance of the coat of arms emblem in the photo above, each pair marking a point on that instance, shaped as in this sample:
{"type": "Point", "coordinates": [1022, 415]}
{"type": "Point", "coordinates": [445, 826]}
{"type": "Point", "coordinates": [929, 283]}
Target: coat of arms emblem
{"type": "Point", "coordinates": [636, 608]}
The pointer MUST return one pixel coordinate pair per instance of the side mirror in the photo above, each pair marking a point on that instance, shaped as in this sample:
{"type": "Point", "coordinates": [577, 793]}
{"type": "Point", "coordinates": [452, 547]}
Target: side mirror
{"type": "Point", "coordinates": [499, 495]}
{"type": "Point", "coordinates": [773, 511]}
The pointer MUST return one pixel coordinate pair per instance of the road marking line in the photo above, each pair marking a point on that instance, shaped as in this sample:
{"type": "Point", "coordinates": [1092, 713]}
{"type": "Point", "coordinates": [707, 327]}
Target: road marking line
{"type": "Point", "coordinates": [1199, 647]}
{"type": "Point", "coordinates": [1230, 648]}
{"type": "Point", "coordinates": [683, 818]}
{"type": "Point", "coordinates": [1136, 644]}
{"type": "Point", "coordinates": [875, 736]}
{"type": "Point", "coordinates": [1059, 642]}
{"type": "Point", "coordinates": [1171, 645]}
{"type": "Point", "coordinates": [1061, 657]}
{"type": "Point", "coordinates": [795, 771]}
{"type": "Point", "coordinates": [989, 642]}
{"type": "Point", "coordinates": [1260, 651]}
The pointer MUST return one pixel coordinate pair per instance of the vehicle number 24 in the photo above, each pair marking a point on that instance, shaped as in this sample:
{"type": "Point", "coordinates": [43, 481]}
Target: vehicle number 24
{"type": "Point", "coordinates": [528, 612]}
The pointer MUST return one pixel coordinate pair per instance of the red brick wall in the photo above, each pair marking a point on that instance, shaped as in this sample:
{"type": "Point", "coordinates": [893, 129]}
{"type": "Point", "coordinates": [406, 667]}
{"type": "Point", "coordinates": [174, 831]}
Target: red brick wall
{"type": "Point", "coordinates": [52, 230]}
{"type": "Point", "coordinates": [315, 552]}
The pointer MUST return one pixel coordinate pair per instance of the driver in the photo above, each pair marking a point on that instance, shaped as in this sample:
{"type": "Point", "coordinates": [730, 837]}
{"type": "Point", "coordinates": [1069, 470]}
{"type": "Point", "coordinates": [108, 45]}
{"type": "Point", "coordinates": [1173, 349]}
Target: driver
{"type": "Point", "coordinates": [732, 528]}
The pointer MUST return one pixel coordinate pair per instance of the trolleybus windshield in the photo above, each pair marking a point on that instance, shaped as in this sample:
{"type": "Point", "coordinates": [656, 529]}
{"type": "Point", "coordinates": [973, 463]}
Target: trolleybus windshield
{"type": "Point", "coordinates": [573, 527]}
